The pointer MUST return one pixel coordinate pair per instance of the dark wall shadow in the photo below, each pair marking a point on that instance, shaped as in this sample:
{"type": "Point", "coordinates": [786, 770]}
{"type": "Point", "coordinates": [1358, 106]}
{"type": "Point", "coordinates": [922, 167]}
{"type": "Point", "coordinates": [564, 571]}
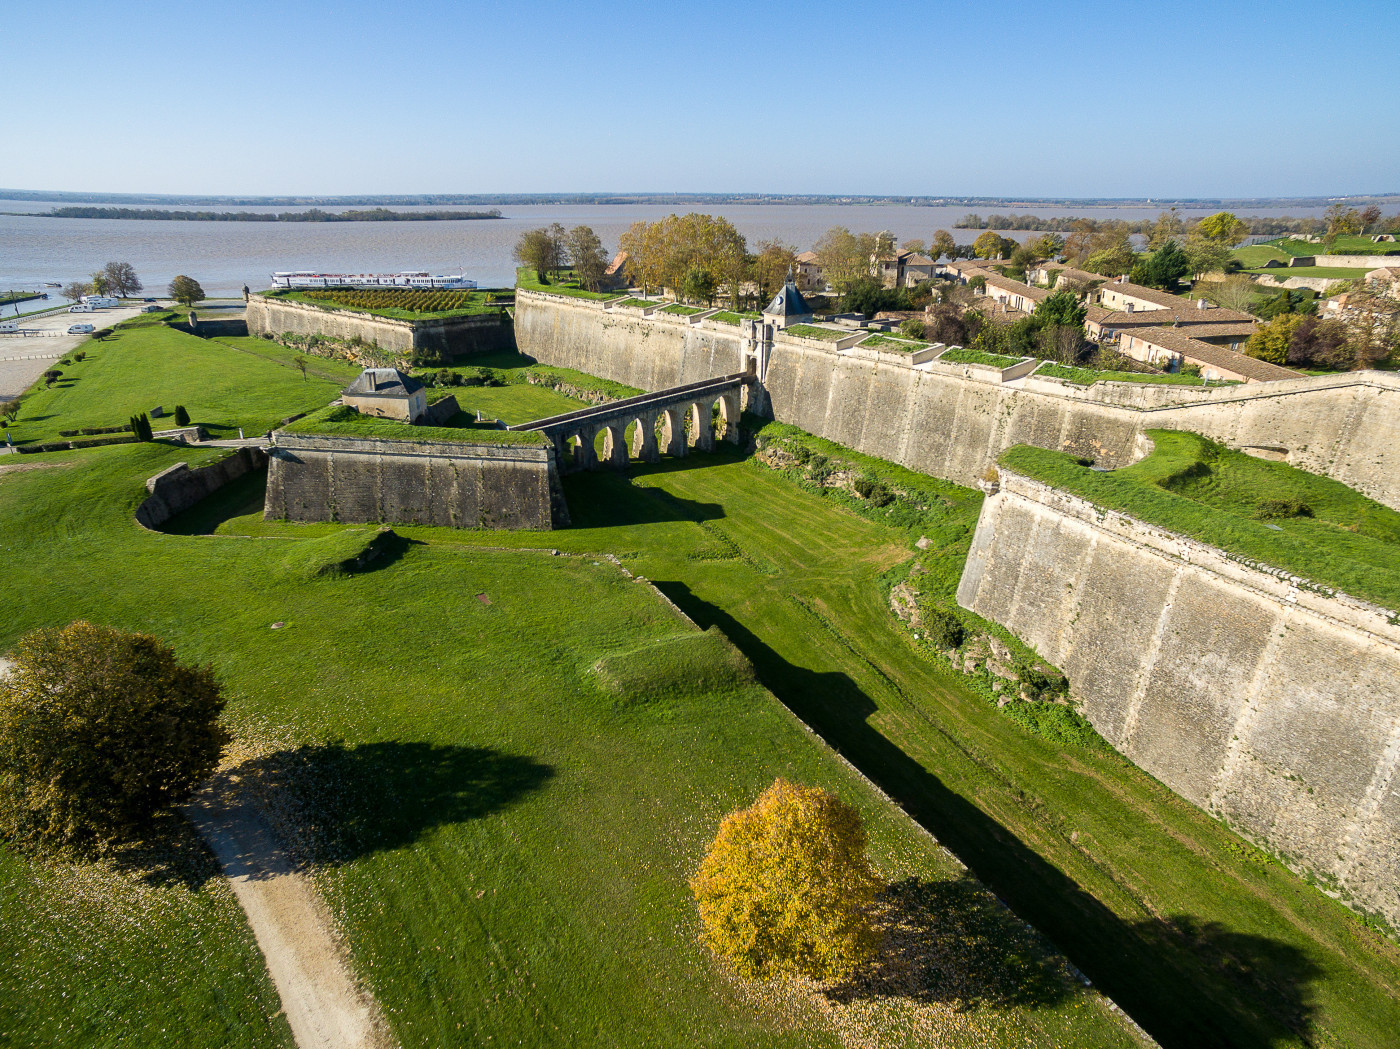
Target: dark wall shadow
{"type": "Point", "coordinates": [605, 499]}
{"type": "Point", "coordinates": [1187, 982]}
{"type": "Point", "coordinates": [351, 801]}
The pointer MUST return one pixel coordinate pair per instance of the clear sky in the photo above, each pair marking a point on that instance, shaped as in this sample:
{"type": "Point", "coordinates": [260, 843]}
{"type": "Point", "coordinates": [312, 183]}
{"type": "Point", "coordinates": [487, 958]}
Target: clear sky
{"type": "Point", "coordinates": [1118, 99]}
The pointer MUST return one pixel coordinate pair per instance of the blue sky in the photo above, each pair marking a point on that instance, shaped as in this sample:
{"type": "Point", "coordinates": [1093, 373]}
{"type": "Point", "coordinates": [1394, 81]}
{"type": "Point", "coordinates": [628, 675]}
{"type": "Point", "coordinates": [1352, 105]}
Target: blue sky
{"type": "Point", "coordinates": [1179, 99]}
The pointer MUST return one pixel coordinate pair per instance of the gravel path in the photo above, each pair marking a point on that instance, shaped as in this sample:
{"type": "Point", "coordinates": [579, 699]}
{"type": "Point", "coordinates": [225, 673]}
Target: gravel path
{"type": "Point", "coordinates": [324, 1005]}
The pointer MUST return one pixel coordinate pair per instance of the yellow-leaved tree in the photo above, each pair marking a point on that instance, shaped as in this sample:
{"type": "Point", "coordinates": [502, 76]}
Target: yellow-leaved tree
{"type": "Point", "coordinates": [786, 889]}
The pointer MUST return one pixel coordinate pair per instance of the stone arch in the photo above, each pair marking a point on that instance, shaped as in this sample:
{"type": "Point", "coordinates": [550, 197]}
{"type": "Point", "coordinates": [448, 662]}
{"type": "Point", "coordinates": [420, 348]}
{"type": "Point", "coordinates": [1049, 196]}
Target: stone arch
{"type": "Point", "coordinates": [585, 456]}
{"type": "Point", "coordinates": [702, 430]}
{"type": "Point", "coordinates": [615, 445]}
{"type": "Point", "coordinates": [729, 409]}
{"type": "Point", "coordinates": [644, 446]}
{"type": "Point", "coordinates": [673, 430]}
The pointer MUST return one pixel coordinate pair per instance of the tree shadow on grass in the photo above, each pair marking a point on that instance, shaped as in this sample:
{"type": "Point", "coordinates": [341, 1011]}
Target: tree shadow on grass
{"type": "Point", "coordinates": [950, 941]}
{"type": "Point", "coordinates": [333, 803]}
{"type": "Point", "coordinates": [1189, 982]}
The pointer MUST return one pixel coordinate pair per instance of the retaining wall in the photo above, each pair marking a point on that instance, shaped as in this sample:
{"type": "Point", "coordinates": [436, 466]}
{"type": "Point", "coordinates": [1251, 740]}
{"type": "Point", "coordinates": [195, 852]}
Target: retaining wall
{"type": "Point", "coordinates": [453, 484]}
{"type": "Point", "coordinates": [953, 420]}
{"type": "Point", "coordinates": [1264, 700]}
{"type": "Point", "coordinates": [179, 488]}
{"type": "Point", "coordinates": [454, 335]}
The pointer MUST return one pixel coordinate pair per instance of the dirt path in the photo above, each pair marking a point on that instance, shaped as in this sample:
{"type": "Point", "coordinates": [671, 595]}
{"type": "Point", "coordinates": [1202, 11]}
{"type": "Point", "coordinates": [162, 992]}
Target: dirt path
{"type": "Point", "coordinates": [324, 1006]}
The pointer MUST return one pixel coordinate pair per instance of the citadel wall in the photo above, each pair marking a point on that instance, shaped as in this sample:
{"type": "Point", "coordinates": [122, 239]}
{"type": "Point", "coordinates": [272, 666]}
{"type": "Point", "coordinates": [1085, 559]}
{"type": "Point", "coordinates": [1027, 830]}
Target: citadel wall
{"type": "Point", "coordinates": [953, 420]}
{"type": "Point", "coordinates": [481, 333]}
{"type": "Point", "coordinates": [456, 484]}
{"type": "Point", "coordinates": [1257, 696]}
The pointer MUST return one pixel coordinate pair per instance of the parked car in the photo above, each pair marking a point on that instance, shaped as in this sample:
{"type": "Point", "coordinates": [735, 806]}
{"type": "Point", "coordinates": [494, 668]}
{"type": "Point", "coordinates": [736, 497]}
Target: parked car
{"type": "Point", "coordinates": [148, 300]}
{"type": "Point", "coordinates": [82, 307]}
{"type": "Point", "coordinates": [80, 329]}
{"type": "Point", "coordinates": [150, 309]}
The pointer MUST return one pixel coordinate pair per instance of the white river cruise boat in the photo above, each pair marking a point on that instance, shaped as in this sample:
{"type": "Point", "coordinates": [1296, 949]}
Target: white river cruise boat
{"type": "Point", "coordinates": [406, 279]}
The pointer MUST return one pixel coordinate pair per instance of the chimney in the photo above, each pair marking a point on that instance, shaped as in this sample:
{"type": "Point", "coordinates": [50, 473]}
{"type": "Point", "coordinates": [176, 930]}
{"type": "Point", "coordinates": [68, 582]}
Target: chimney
{"type": "Point", "coordinates": [1129, 307]}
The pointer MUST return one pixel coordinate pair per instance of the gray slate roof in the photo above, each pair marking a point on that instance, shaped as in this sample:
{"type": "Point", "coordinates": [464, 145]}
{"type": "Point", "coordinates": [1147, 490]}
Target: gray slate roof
{"type": "Point", "coordinates": [383, 382]}
{"type": "Point", "coordinates": [788, 303]}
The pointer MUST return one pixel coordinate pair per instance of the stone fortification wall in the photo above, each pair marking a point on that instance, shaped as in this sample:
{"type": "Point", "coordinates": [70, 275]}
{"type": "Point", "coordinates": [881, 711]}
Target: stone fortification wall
{"type": "Point", "coordinates": [953, 420]}
{"type": "Point", "coordinates": [1368, 262]}
{"type": "Point", "coordinates": [1259, 697]}
{"type": "Point", "coordinates": [478, 334]}
{"type": "Point", "coordinates": [453, 484]}
{"type": "Point", "coordinates": [179, 488]}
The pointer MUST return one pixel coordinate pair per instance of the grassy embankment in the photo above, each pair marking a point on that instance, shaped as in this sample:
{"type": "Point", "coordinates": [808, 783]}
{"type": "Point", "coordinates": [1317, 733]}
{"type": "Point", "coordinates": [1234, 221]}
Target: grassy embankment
{"type": "Point", "coordinates": [1200, 936]}
{"type": "Point", "coordinates": [1089, 376]}
{"type": "Point", "coordinates": [1270, 512]}
{"type": "Point", "coordinates": [340, 421]}
{"type": "Point", "coordinates": [1254, 256]}
{"type": "Point", "coordinates": [967, 355]}
{"type": "Point", "coordinates": [564, 284]}
{"type": "Point", "coordinates": [504, 767]}
{"type": "Point", "coordinates": [147, 363]}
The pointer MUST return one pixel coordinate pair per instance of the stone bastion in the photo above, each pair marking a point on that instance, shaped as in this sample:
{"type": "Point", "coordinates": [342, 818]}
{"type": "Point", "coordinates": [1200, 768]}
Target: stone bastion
{"type": "Point", "coordinates": [953, 420]}
{"type": "Point", "coordinates": [456, 484]}
{"type": "Point", "coordinates": [1263, 699]}
{"type": "Point", "coordinates": [481, 333]}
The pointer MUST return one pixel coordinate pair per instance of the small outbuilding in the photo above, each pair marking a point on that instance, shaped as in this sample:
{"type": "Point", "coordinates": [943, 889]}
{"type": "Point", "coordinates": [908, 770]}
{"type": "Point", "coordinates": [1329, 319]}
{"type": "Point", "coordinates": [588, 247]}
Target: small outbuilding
{"type": "Point", "coordinates": [387, 393]}
{"type": "Point", "coordinates": [787, 307]}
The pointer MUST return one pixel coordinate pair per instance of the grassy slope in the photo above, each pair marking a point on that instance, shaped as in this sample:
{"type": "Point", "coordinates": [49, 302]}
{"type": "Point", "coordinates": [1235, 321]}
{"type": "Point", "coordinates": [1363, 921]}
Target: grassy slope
{"type": "Point", "coordinates": [1198, 935]}
{"type": "Point", "coordinates": [516, 403]}
{"type": "Point", "coordinates": [514, 841]}
{"type": "Point", "coordinates": [141, 367]}
{"type": "Point", "coordinates": [1203, 490]}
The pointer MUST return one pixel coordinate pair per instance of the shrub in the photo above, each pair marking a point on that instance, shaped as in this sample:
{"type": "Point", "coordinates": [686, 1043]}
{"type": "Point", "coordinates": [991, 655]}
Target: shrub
{"type": "Point", "coordinates": [99, 731]}
{"type": "Point", "coordinates": [1270, 509]}
{"type": "Point", "coordinates": [914, 328]}
{"type": "Point", "coordinates": [944, 629]}
{"type": "Point", "coordinates": [785, 888]}
{"type": "Point", "coordinates": [141, 427]}
{"type": "Point", "coordinates": [875, 490]}
{"type": "Point", "coordinates": [51, 376]}
{"type": "Point", "coordinates": [182, 417]}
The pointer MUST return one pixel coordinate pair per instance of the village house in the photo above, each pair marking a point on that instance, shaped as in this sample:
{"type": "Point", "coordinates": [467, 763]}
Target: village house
{"type": "Point", "coordinates": [1043, 271]}
{"type": "Point", "coordinates": [906, 269]}
{"type": "Point", "coordinates": [387, 393]}
{"type": "Point", "coordinates": [1012, 294]}
{"type": "Point", "coordinates": [1120, 294]}
{"type": "Point", "coordinates": [1169, 348]}
{"type": "Point", "coordinates": [809, 272]}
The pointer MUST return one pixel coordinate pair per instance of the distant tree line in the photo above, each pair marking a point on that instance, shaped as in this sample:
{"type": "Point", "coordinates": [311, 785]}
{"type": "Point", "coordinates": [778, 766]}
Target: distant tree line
{"type": "Point", "coordinates": [1364, 220]}
{"type": "Point", "coordinates": [314, 215]}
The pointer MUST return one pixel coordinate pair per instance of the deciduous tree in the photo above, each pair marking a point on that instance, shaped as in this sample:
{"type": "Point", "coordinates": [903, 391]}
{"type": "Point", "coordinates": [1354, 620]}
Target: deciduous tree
{"type": "Point", "coordinates": [1270, 341]}
{"type": "Point", "coordinates": [1223, 227]}
{"type": "Point", "coordinates": [586, 256]}
{"type": "Point", "coordinates": [992, 245]}
{"type": "Point", "coordinates": [785, 888]}
{"type": "Point", "coordinates": [1111, 261]}
{"type": "Point", "coordinates": [99, 731]}
{"type": "Point", "coordinates": [122, 279]}
{"type": "Point", "coordinates": [75, 290]}
{"type": "Point", "coordinates": [775, 260]}
{"type": "Point", "coordinates": [542, 250]}
{"type": "Point", "coordinates": [1206, 255]}
{"type": "Point", "coordinates": [944, 244]}
{"type": "Point", "coordinates": [186, 290]}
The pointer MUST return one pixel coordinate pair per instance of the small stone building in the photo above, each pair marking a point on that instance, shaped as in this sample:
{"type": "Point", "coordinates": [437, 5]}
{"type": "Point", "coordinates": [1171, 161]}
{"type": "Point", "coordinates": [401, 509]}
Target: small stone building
{"type": "Point", "coordinates": [787, 307]}
{"type": "Point", "coordinates": [387, 393]}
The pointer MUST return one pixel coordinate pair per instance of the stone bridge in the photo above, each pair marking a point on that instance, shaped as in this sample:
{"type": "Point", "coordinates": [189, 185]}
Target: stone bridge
{"type": "Point", "coordinates": [670, 421]}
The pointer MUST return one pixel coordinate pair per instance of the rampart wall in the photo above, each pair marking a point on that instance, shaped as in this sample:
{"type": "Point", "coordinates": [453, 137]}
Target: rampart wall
{"type": "Point", "coordinates": [454, 484]}
{"type": "Point", "coordinates": [179, 488]}
{"type": "Point", "coordinates": [455, 335]}
{"type": "Point", "coordinates": [953, 420]}
{"type": "Point", "coordinates": [1264, 700]}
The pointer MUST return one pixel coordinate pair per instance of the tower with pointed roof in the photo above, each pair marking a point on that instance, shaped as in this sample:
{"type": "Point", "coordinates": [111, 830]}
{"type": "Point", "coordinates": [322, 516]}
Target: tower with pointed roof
{"type": "Point", "coordinates": [787, 307]}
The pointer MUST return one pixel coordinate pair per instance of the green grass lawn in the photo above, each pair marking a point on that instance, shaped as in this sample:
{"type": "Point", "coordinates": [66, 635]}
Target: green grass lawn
{"type": "Point", "coordinates": [504, 832]}
{"type": "Point", "coordinates": [342, 421]}
{"type": "Point", "coordinates": [564, 284]}
{"type": "Point", "coordinates": [1089, 376]}
{"type": "Point", "coordinates": [1347, 244]}
{"type": "Point", "coordinates": [329, 368]}
{"type": "Point", "coordinates": [515, 403]}
{"type": "Point", "coordinates": [967, 355]}
{"type": "Point", "coordinates": [1255, 255]}
{"type": "Point", "coordinates": [1206, 491]}
{"type": "Point", "coordinates": [894, 342]}
{"type": "Point", "coordinates": [1329, 272]}
{"type": "Point", "coordinates": [1198, 935]}
{"type": "Point", "coordinates": [811, 331]}
{"type": "Point", "coordinates": [139, 367]}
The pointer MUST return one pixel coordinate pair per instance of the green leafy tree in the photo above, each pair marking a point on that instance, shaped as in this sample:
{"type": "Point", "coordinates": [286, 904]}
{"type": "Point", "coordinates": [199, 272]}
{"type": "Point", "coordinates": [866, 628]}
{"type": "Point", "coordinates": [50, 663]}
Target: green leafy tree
{"type": "Point", "coordinates": [586, 256]}
{"type": "Point", "coordinates": [1270, 341]}
{"type": "Point", "coordinates": [944, 244]}
{"type": "Point", "coordinates": [100, 730]}
{"type": "Point", "coordinates": [186, 290]}
{"type": "Point", "coordinates": [542, 250]}
{"type": "Point", "coordinates": [1111, 261]}
{"type": "Point", "coordinates": [775, 260]}
{"type": "Point", "coordinates": [1062, 307]}
{"type": "Point", "coordinates": [99, 284]}
{"type": "Point", "coordinates": [1206, 255]}
{"type": "Point", "coordinates": [992, 245]}
{"type": "Point", "coordinates": [785, 888]}
{"type": "Point", "coordinates": [1163, 268]}
{"type": "Point", "coordinates": [698, 285]}
{"type": "Point", "coordinates": [1223, 227]}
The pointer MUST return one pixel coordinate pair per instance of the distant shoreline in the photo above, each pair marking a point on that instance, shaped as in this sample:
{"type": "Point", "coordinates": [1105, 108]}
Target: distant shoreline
{"type": "Point", "coordinates": [313, 215]}
{"type": "Point", "coordinates": [678, 199]}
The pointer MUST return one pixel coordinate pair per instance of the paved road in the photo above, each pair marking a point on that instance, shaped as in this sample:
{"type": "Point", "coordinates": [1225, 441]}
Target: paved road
{"type": "Point", "coordinates": [22, 360]}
